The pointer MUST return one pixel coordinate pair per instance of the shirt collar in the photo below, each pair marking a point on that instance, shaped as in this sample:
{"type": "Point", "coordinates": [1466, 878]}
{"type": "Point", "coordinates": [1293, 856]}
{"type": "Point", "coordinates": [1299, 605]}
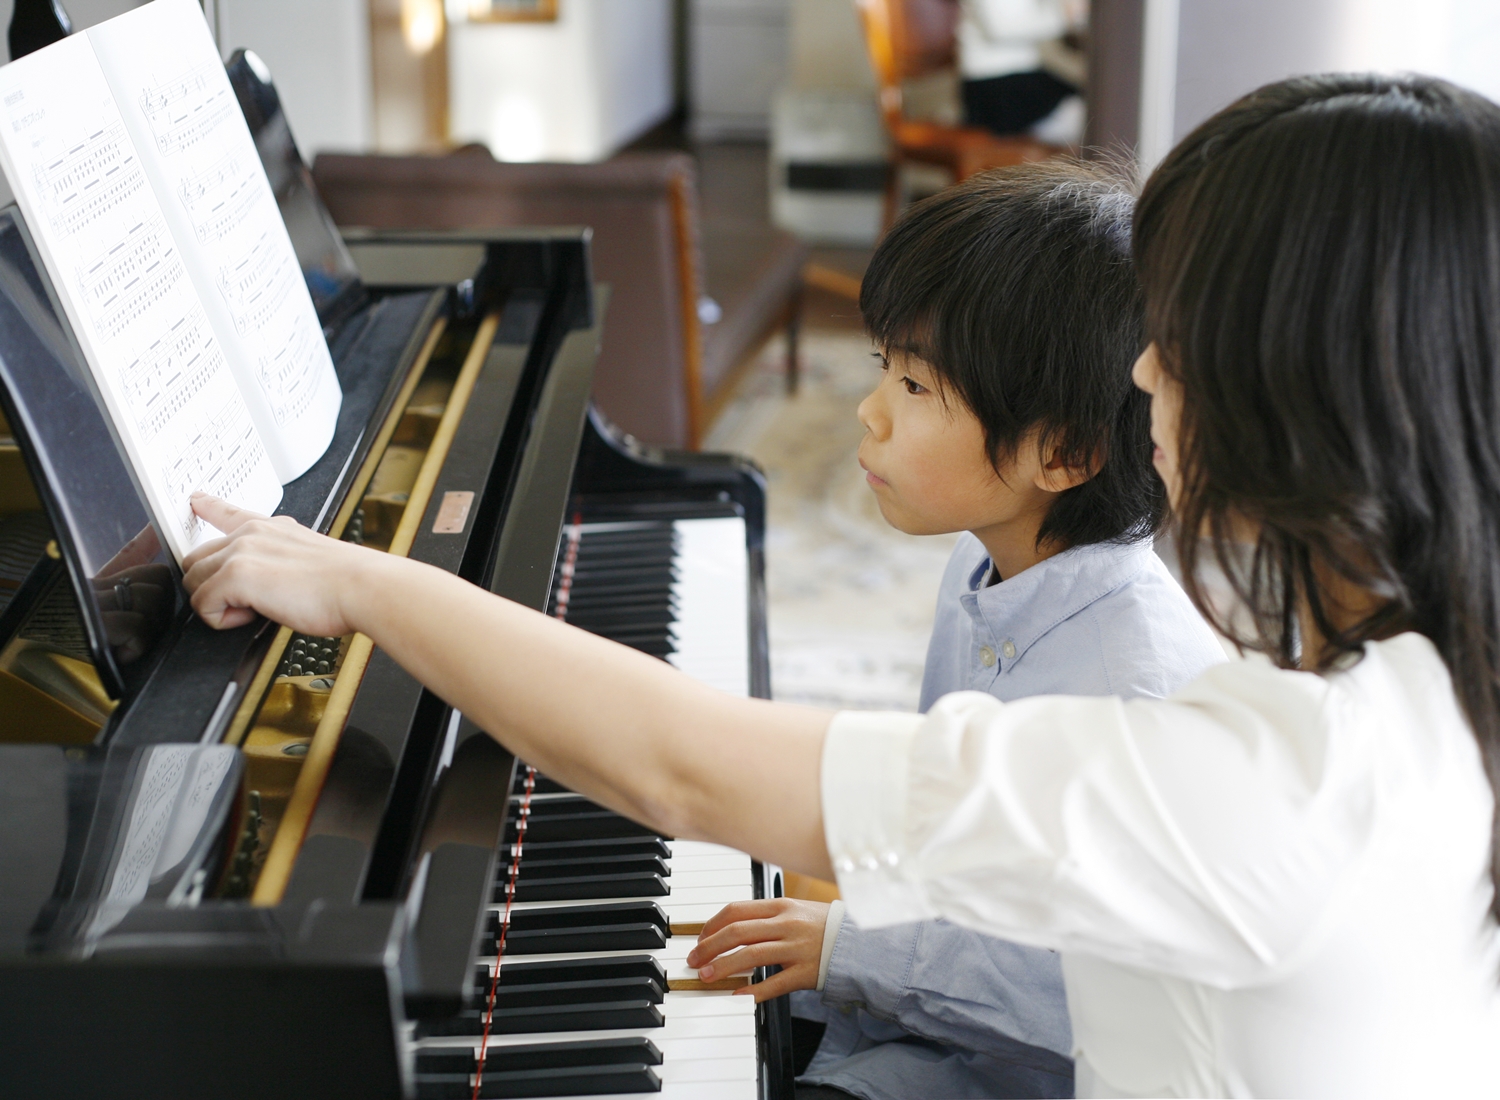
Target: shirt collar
{"type": "Point", "coordinates": [1023, 608]}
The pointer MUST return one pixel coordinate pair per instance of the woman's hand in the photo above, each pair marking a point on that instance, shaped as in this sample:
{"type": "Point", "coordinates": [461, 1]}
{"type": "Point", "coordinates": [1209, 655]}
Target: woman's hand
{"type": "Point", "coordinates": [274, 567]}
{"type": "Point", "coordinates": [780, 932]}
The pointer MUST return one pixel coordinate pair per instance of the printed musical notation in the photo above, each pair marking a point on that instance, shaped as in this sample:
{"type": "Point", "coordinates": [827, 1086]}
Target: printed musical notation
{"type": "Point", "coordinates": [218, 199]}
{"type": "Point", "coordinates": [219, 454]}
{"type": "Point", "coordinates": [161, 382]}
{"type": "Point", "coordinates": [257, 285]}
{"type": "Point", "coordinates": [284, 376]}
{"type": "Point", "coordinates": [184, 111]}
{"type": "Point", "coordinates": [130, 277]}
{"type": "Point", "coordinates": [91, 178]}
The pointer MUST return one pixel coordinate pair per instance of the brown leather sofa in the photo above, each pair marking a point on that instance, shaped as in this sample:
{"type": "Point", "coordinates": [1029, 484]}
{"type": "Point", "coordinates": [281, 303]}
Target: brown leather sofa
{"type": "Point", "coordinates": [663, 372]}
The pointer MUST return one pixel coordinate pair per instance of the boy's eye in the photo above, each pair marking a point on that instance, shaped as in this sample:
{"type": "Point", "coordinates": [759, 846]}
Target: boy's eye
{"type": "Point", "coordinates": [884, 362]}
{"type": "Point", "coordinates": [913, 388]}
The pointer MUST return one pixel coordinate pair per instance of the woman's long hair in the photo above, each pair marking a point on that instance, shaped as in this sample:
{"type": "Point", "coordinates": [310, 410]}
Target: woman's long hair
{"type": "Point", "coordinates": [1321, 263]}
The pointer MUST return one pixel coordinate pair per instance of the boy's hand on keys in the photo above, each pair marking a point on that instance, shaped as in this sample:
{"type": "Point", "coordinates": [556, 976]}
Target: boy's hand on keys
{"type": "Point", "coordinates": [274, 567]}
{"type": "Point", "coordinates": [780, 932]}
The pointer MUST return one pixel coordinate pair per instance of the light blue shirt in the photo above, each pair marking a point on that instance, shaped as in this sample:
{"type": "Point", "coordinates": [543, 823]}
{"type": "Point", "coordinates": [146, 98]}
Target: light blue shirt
{"type": "Point", "coordinates": [931, 1009]}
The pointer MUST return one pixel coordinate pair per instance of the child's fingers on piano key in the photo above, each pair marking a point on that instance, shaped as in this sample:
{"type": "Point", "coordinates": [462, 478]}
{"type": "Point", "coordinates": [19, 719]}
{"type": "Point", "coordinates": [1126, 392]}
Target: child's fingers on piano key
{"type": "Point", "coordinates": [744, 922]}
{"type": "Point", "coordinates": [793, 959]}
{"type": "Point", "coordinates": [788, 980]}
{"type": "Point", "coordinates": [741, 911]}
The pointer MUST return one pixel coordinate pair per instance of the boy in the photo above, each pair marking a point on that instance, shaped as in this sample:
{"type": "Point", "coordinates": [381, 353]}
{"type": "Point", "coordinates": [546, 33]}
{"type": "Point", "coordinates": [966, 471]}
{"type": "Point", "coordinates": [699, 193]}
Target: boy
{"type": "Point", "coordinates": [1008, 318]}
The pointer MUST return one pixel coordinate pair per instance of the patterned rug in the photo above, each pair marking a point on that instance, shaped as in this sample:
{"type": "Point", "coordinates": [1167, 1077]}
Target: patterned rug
{"type": "Point", "coordinates": [850, 598]}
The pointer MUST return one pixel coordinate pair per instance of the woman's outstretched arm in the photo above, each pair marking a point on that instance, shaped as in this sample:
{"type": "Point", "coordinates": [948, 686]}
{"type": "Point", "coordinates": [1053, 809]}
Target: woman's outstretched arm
{"type": "Point", "coordinates": [627, 730]}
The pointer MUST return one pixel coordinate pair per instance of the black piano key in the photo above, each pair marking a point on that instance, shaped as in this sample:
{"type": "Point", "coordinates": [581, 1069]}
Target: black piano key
{"type": "Point", "coordinates": [574, 916]}
{"type": "Point", "coordinates": [584, 991]}
{"type": "Point", "coordinates": [596, 1052]}
{"type": "Point", "coordinates": [602, 937]}
{"type": "Point", "coordinates": [585, 1016]}
{"type": "Point", "coordinates": [583, 887]}
{"type": "Point", "coordinates": [579, 1081]}
{"type": "Point", "coordinates": [590, 1016]}
{"type": "Point", "coordinates": [658, 554]}
{"type": "Point", "coordinates": [602, 846]}
{"type": "Point", "coordinates": [642, 604]}
{"type": "Point", "coordinates": [536, 867]}
{"type": "Point", "coordinates": [618, 926]}
{"type": "Point", "coordinates": [622, 589]}
{"type": "Point", "coordinates": [526, 1056]}
{"type": "Point", "coordinates": [579, 970]}
{"type": "Point", "coordinates": [591, 825]}
{"type": "Point", "coordinates": [628, 618]}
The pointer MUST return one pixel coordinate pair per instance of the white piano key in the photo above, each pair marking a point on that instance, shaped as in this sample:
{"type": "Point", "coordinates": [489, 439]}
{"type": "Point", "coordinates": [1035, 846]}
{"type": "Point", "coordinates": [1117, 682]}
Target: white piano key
{"type": "Point", "coordinates": [712, 590]}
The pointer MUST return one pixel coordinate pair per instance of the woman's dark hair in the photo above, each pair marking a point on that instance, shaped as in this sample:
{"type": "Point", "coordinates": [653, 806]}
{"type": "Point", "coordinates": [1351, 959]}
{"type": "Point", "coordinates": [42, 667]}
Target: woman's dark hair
{"type": "Point", "coordinates": [1321, 262]}
{"type": "Point", "coordinates": [1016, 286]}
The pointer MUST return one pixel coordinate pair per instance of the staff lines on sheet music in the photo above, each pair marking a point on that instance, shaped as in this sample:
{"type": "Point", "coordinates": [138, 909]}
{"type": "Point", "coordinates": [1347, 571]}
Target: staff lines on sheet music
{"type": "Point", "coordinates": [287, 377]}
{"type": "Point", "coordinates": [220, 453]}
{"type": "Point", "coordinates": [93, 176]}
{"type": "Point", "coordinates": [162, 381]}
{"type": "Point", "coordinates": [132, 276]}
{"type": "Point", "coordinates": [179, 120]}
{"type": "Point", "coordinates": [257, 286]}
{"type": "Point", "coordinates": [116, 272]}
{"type": "Point", "coordinates": [218, 198]}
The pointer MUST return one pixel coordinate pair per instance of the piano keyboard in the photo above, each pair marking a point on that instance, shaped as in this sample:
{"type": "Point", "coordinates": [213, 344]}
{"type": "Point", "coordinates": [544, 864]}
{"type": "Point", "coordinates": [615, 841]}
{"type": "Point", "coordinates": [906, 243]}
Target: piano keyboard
{"type": "Point", "coordinates": [595, 995]}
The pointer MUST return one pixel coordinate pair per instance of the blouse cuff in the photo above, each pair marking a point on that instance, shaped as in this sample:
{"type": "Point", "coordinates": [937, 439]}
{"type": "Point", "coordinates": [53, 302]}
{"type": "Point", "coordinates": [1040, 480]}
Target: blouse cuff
{"type": "Point", "coordinates": [866, 758]}
{"type": "Point", "coordinates": [830, 937]}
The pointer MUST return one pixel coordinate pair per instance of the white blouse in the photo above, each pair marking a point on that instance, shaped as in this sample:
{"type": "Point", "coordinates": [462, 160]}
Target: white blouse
{"type": "Point", "coordinates": [1271, 884]}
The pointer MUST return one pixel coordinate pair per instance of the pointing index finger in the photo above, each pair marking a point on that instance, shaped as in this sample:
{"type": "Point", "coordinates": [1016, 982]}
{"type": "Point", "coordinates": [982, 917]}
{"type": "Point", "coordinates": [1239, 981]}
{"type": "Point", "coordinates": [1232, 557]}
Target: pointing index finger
{"type": "Point", "coordinates": [220, 513]}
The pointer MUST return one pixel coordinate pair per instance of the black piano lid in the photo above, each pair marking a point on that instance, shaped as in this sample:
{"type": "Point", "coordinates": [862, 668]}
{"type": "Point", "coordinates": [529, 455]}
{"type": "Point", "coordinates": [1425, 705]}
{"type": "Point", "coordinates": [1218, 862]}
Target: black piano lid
{"type": "Point", "coordinates": [103, 531]}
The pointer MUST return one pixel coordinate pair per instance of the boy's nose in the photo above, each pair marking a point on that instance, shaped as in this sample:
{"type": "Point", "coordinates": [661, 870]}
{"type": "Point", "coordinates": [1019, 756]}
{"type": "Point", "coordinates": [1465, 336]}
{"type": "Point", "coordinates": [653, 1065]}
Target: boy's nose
{"type": "Point", "coordinates": [872, 415]}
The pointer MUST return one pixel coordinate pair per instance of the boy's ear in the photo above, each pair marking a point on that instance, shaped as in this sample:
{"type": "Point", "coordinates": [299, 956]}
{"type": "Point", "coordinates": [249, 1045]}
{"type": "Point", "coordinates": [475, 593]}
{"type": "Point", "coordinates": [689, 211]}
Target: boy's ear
{"type": "Point", "coordinates": [1057, 472]}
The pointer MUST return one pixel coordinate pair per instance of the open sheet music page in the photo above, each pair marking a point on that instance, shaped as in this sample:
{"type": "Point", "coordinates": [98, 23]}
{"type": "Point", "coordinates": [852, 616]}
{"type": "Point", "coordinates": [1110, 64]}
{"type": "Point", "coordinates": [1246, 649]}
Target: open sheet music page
{"type": "Point", "coordinates": [170, 84]}
{"type": "Point", "coordinates": [116, 266]}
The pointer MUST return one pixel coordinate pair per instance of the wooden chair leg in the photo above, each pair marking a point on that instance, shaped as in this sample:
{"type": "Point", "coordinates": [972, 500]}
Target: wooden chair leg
{"type": "Point", "coordinates": [892, 195]}
{"type": "Point", "coordinates": [793, 332]}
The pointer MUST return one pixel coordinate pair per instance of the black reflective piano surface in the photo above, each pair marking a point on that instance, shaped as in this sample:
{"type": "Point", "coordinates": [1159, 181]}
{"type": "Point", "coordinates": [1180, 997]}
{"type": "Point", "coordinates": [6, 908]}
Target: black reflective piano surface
{"type": "Point", "coordinates": [248, 863]}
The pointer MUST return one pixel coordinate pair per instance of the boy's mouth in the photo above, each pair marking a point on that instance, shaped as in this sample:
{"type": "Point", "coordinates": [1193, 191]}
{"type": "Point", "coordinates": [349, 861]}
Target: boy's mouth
{"type": "Point", "coordinates": [873, 478]}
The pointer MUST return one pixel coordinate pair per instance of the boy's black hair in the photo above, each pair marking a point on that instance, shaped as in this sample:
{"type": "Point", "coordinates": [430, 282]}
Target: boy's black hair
{"type": "Point", "coordinates": [1017, 287]}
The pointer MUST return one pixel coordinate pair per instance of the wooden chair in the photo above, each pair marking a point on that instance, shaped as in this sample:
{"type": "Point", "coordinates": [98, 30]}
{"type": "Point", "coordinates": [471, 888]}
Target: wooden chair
{"type": "Point", "coordinates": [908, 39]}
{"type": "Point", "coordinates": [664, 373]}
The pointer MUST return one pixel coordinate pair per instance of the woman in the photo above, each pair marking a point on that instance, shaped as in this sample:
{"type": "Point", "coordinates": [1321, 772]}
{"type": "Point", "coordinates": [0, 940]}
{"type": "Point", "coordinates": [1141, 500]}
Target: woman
{"type": "Point", "coordinates": [1279, 881]}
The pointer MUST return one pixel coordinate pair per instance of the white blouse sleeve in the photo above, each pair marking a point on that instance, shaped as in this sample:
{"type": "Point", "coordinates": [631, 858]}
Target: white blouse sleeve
{"type": "Point", "coordinates": [1027, 20]}
{"type": "Point", "coordinates": [1211, 836]}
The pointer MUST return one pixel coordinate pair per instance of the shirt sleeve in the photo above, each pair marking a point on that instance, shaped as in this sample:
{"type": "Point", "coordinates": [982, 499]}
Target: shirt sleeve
{"type": "Point", "coordinates": [1211, 836]}
{"type": "Point", "coordinates": [951, 985]}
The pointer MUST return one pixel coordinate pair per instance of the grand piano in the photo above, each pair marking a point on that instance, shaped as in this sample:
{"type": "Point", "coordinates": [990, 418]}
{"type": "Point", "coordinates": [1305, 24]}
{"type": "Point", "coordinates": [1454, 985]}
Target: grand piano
{"type": "Point", "coordinates": [254, 864]}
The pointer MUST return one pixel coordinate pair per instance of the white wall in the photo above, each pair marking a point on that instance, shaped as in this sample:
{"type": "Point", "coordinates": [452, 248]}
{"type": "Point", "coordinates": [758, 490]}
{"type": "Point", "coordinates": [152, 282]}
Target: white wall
{"type": "Point", "coordinates": [318, 52]}
{"type": "Point", "coordinates": [573, 90]}
{"type": "Point", "coordinates": [1225, 48]}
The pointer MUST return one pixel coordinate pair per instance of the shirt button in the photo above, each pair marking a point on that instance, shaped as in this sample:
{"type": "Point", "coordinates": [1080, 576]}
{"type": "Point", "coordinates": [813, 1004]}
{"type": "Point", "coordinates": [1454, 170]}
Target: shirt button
{"type": "Point", "coordinates": [1009, 649]}
{"type": "Point", "coordinates": [869, 863]}
{"type": "Point", "coordinates": [843, 865]}
{"type": "Point", "coordinates": [986, 656]}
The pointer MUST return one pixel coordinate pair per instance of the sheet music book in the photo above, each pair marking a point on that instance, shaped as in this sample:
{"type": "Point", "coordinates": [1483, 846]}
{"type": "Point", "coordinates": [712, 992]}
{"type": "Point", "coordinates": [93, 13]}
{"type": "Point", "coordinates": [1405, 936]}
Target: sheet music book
{"type": "Point", "coordinates": [141, 185]}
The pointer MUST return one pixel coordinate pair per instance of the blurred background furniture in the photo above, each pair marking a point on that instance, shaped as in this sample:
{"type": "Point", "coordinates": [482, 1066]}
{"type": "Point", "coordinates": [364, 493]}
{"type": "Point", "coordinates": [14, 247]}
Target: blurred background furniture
{"type": "Point", "coordinates": [910, 39]}
{"type": "Point", "coordinates": [678, 327]}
